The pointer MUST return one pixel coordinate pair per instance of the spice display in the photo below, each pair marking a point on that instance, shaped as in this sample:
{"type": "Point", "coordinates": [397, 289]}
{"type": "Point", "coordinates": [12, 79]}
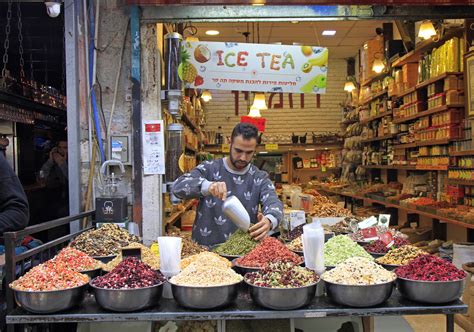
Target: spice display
{"type": "Point", "coordinates": [359, 237]}
{"type": "Point", "coordinates": [378, 247]}
{"type": "Point", "coordinates": [296, 244]}
{"type": "Point", "coordinates": [282, 275]}
{"type": "Point", "coordinates": [430, 268]}
{"type": "Point", "coordinates": [49, 277]}
{"type": "Point", "coordinates": [239, 244]}
{"type": "Point", "coordinates": [200, 275]}
{"type": "Point", "coordinates": [269, 250]}
{"type": "Point", "coordinates": [344, 226]}
{"type": "Point", "coordinates": [77, 260]}
{"type": "Point", "coordinates": [401, 256]}
{"type": "Point", "coordinates": [148, 257]}
{"type": "Point", "coordinates": [340, 248]}
{"type": "Point", "coordinates": [358, 271]}
{"type": "Point", "coordinates": [206, 258]}
{"type": "Point", "coordinates": [324, 207]}
{"type": "Point", "coordinates": [104, 241]}
{"type": "Point", "coordinates": [295, 233]}
{"type": "Point", "coordinates": [130, 273]}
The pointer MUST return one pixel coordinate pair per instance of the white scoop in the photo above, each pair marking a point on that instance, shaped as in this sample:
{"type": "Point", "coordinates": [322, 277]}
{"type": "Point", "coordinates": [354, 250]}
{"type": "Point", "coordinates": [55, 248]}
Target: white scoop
{"type": "Point", "coordinates": [236, 212]}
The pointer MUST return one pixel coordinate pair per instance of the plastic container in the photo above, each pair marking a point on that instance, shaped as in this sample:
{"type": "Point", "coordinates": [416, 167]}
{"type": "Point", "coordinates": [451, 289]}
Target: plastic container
{"type": "Point", "coordinates": [174, 150]}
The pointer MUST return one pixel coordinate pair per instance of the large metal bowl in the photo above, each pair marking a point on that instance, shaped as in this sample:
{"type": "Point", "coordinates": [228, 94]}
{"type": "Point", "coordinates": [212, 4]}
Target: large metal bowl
{"type": "Point", "coordinates": [92, 273]}
{"type": "Point", "coordinates": [282, 298]}
{"type": "Point", "coordinates": [376, 254]}
{"type": "Point", "coordinates": [205, 297]}
{"type": "Point", "coordinates": [127, 300]}
{"type": "Point", "coordinates": [242, 270]}
{"type": "Point", "coordinates": [389, 267]}
{"type": "Point", "coordinates": [434, 292]}
{"type": "Point", "coordinates": [48, 302]}
{"type": "Point", "coordinates": [104, 259]}
{"type": "Point", "coordinates": [359, 296]}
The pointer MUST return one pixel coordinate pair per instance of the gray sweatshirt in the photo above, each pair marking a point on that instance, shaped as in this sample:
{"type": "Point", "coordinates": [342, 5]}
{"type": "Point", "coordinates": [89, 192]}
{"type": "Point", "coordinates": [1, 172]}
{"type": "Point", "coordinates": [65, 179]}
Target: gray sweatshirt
{"type": "Point", "coordinates": [251, 186]}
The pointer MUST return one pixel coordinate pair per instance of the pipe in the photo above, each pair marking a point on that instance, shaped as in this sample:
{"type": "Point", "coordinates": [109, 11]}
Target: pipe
{"type": "Point", "coordinates": [96, 36]}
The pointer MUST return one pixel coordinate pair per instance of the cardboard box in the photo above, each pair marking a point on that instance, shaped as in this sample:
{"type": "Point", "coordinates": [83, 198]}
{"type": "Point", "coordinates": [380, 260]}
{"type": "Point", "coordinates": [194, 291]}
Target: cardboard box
{"type": "Point", "coordinates": [451, 83]}
{"type": "Point", "coordinates": [410, 74]}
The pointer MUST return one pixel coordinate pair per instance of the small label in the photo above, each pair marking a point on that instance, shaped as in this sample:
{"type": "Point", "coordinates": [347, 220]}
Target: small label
{"type": "Point", "coordinates": [387, 239]}
{"type": "Point", "coordinates": [271, 147]}
{"type": "Point", "coordinates": [225, 148]}
{"type": "Point", "coordinates": [369, 233]}
{"type": "Point", "coordinates": [314, 314]}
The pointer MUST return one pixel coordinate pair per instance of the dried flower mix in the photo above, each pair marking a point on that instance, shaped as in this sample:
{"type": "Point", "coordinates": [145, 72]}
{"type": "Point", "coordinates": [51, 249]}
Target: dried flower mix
{"type": "Point", "coordinates": [401, 256]}
{"type": "Point", "coordinates": [148, 257]}
{"type": "Point", "coordinates": [295, 233]}
{"type": "Point", "coordinates": [282, 275]}
{"type": "Point", "coordinates": [199, 275]}
{"type": "Point", "coordinates": [49, 277]}
{"type": "Point", "coordinates": [358, 271]}
{"type": "Point", "coordinates": [104, 241]}
{"type": "Point", "coordinates": [129, 274]}
{"type": "Point", "coordinates": [238, 244]}
{"type": "Point", "coordinates": [206, 258]}
{"type": "Point", "coordinates": [341, 247]}
{"type": "Point", "coordinates": [188, 246]}
{"type": "Point", "coordinates": [77, 260]}
{"type": "Point", "coordinates": [269, 250]}
{"type": "Point", "coordinates": [430, 268]}
{"type": "Point", "coordinates": [359, 237]}
{"type": "Point", "coordinates": [296, 244]}
{"type": "Point", "coordinates": [378, 247]}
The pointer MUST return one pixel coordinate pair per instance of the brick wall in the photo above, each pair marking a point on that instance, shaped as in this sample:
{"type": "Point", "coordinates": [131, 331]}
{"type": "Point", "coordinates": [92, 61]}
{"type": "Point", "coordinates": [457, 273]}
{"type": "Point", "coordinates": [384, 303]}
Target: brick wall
{"type": "Point", "coordinates": [220, 111]}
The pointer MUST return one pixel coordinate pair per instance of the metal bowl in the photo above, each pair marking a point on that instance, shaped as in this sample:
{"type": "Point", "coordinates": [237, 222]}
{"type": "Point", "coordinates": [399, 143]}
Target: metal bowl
{"type": "Point", "coordinates": [127, 300]}
{"type": "Point", "coordinates": [92, 273]}
{"type": "Point", "coordinates": [389, 267]}
{"type": "Point", "coordinates": [434, 292]}
{"type": "Point", "coordinates": [244, 269]}
{"type": "Point", "coordinates": [48, 302]}
{"type": "Point", "coordinates": [205, 297]}
{"type": "Point", "coordinates": [376, 254]}
{"type": "Point", "coordinates": [104, 259]}
{"type": "Point", "coordinates": [282, 298]}
{"type": "Point", "coordinates": [299, 253]}
{"type": "Point", "coordinates": [358, 295]}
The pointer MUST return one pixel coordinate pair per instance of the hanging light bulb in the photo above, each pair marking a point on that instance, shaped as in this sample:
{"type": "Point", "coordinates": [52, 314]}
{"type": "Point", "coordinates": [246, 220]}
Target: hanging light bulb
{"type": "Point", "coordinates": [426, 30]}
{"type": "Point", "coordinates": [378, 66]}
{"type": "Point", "coordinates": [206, 96]}
{"type": "Point", "coordinates": [259, 101]}
{"type": "Point", "coordinates": [254, 112]}
{"type": "Point", "coordinates": [349, 86]}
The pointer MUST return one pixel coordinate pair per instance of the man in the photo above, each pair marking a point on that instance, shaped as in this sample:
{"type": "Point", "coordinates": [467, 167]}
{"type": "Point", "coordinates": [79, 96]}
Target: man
{"type": "Point", "coordinates": [56, 168]}
{"type": "Point", "coordinates": [212, 182]}
{"type": "Point", "coordinates": [14, 213]}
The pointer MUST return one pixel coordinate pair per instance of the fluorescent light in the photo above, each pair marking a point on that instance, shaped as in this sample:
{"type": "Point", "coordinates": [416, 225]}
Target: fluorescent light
{"type": "Point", "coordinates": [310, 149]}
{"type": "Point", "coordinates": [295, 22]}
{"type": "Point", "coordinates": [212, 32]}
{"type": "Point", "coordinates": [258, 4]}
{"type": "Point", "coordinates": [329, 32]}
{"type": "Point", "coordinates": [263, 152]}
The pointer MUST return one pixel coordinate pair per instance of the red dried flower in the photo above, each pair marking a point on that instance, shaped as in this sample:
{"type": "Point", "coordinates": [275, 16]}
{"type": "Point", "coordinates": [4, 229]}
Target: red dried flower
{"type": "Point", "coordinates": [430, 268]}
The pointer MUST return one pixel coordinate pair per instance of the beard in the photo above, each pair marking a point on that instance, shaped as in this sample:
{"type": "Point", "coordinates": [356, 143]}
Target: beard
{"type": "Point", "coordinates": [239, 164]}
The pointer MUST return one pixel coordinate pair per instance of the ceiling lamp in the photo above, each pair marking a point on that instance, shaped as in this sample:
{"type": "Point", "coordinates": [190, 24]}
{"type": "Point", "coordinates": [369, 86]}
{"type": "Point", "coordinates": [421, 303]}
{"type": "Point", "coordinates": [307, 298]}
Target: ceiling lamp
{"type": "Point", "coordinates": [426, 30]}
{"type": "Point", "coordinates": [206, 96]}
{"type": "Point", "coordinates": [378, 66]}
{"type": "Point", "coordinates": [254, 112]}
{"type": "Point", "coordinates": [259, 101]}
{"type": "Point", "coordinates": [212, 32]}
{"type": "Point", "coordinates": [349, 86]}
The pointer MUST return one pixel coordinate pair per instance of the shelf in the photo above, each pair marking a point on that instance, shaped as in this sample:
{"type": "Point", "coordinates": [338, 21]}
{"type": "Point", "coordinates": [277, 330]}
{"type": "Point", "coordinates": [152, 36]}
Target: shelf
{"type": "Point", "coordinates": [375, 117]}
{"type": "Point", "coordinates": [405, 146]}
{"type": "Point", "coordinates": [175, 216]}
{"type": "Point", "coordinates": [436, 79]}
{"type": "Point", "coordinates": [461, 182]}
{"type": "Point", "coordinates": [316, 169]}
{"type": "Point", "coordinates": [22, 102]}
{"type": "Point", "coordinates": [375, 78]}
{"type": "Point", "coordinates": [406, 92]}
{"type": "Point", "coordinates": [349, 121]}
{"type": "Point", "coordinates": [432, 168]}
{"type": "Point", "coordinates": [379, 138]}
{"type": "Point", "coordinates": [375, 96]}
{"type": "Point", "coordinates": [435, 142]}
{"type": "Point", "coordinates": [189, 123]}
{"type": "Point", "coordinates": [423, 47]}
{"type": "Point", "coordinates": [431, 111]}
{"type": "Point", "coordinates": [190, 148]}
{"type": "Point", "coordinates": [461, 153]}
{"type": "Point", "coordinates": [398, 167]}
{"type": "Point", "coordinates": [285, 147]}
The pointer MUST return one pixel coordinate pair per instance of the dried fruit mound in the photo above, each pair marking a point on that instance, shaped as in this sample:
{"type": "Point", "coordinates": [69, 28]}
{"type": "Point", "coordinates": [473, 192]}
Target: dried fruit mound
{"type": "Point", "coordinates": [379, 247]}
{"type": "Point", "coordinates": [130, 273]}
{"type": "Point", "coordinates": [269, 250]}
{"type": "Point", "coordinates": [430, 268]}
{"type": "Point", "coordinates": [77, 260]}
{"type": "Point", "coordinates": [282, 275]}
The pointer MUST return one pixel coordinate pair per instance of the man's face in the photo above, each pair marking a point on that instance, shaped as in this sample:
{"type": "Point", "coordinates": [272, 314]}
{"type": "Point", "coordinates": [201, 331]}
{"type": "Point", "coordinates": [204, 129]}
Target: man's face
{"type": "Point", "coordinates": [62, 148]}
{"type": "Point", "coordinates": [242, 151]}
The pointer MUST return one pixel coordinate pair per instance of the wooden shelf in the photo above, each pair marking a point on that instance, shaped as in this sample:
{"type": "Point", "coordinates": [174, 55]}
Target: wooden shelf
{"type": "Point", "coordinates": [31, 105]}
{"type": "Point", "coordinates": [406, 92]}
{"type": "Point", "coordinates": [430, 111]}
{"type": "Point", "coordinates": [349, 121]}
{"type": "Point", "coordinates": [397, 167]}
{"type": "Point", "coordinates": [379, 138]}
{"type": "Point", "coordinates": [405, 146]}
{"type": "Point", "coordinates": [435, 142]}
{"type": "Point", "coordinates": [286, 147]}
{"type": "Point", "coordinates": [175, 216]}
{"type": "Point", "coordinates": [436, 79]}
{"type": "Point", "coordinates": [462, 153]}
{"type": "Point", "coordinates": [374, 78]}
{"type": "Point", "coordinates": [190, 148]}
{"type": "Point", "coordinates": [187, 120]}
{"type": "Point", "coordinates": [461, 182]}
{"type": "Point", "coordinates": [316, 169]}
{"type": "Point", "coordinates": [376, 117]}
{"type": "Point", "coordinates": [432, 168]}
{"type": "Point", "coordinates": [373, 97]}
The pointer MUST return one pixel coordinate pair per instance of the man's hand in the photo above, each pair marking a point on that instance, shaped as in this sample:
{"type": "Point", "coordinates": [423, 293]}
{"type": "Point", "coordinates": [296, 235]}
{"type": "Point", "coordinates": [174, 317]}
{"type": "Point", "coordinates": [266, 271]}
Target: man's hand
{"type": "Point", "coordinates": [218, 190]}
{"type": "Point", "coordinates": [58, 159]}
{"type": "Point", "coordinates": [260, 230]}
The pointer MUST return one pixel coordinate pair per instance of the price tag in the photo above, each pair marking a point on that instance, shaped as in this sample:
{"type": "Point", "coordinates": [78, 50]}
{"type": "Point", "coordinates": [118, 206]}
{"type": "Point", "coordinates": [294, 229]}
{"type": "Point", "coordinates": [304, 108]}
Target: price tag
{"type": "Point", "coordinates": [271, 147]}
{"type": "Point", "coordinates": [369, 234]}
{"type": "Point", "coordinates": [387, 239]}
{"type": "Point", "coordinates": [225, 148]}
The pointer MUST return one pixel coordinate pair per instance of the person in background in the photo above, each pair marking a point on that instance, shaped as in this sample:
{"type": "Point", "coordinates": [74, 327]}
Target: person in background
{"type": "Point", "coordinates": [14, 210]}
{"type": "Point", "coordinates": [213, 181]}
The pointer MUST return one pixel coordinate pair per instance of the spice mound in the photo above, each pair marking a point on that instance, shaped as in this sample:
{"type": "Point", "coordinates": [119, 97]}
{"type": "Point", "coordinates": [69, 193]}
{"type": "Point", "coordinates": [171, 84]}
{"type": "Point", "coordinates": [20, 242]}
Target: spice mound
{"type": "Point", "coordinates": [430, 268]}
{"type": "Point", "coordinates": [148, 257]}
{"type": "Point", "coordinates": [378, 247]}
{"type": "Point", "coordinates": [295, 233]}
{"type": "Point", "coordinates": [206, 259]}
{"type": "Point", "coordinates": [104, 241]}
{"type": "Point", "coordinates": [49, 277]}
{"type": "Point", "coordinates": [401, 256]}
{"type": "Point", "coordinates": [282, 275]}
{"type": "Point", "coordinates": [197, 275]}
{"type": "Point", "coordinates": [358, 271]}
{"type": "Point", "coordinates": [131, 273]}
{"type": "Point", "coordinates": [296, 244]}
{"type": "Point", "coordinates": [77, 260]}
{"type": "Point", "coordinates": [340, 248]}
{"type": "Point", "coordinates": [269, 250]}
{"type": "Point", "coordinates": [238, 244]}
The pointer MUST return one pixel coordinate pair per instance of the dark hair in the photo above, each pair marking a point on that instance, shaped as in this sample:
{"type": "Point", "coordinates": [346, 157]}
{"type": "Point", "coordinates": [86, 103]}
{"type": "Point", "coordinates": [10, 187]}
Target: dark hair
{"type": "Point", "coordinates": [246, 130]}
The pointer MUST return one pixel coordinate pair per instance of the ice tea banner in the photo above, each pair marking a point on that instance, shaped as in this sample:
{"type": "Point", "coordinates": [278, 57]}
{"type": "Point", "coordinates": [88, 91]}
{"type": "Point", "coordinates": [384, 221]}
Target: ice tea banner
{"type": "Point", "coordinates": [254, 67]}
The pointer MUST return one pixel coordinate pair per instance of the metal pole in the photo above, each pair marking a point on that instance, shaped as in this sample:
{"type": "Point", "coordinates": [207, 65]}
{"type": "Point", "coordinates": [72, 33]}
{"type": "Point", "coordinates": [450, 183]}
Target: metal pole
{"type": "Point", "coordinates": [450, 323]}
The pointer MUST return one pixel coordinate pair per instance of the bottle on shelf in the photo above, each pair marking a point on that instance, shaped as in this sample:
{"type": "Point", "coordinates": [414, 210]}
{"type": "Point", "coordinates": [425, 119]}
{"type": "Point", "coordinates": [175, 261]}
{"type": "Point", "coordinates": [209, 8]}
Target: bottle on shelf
{"type": "Point", "coordinates": [219, 136]}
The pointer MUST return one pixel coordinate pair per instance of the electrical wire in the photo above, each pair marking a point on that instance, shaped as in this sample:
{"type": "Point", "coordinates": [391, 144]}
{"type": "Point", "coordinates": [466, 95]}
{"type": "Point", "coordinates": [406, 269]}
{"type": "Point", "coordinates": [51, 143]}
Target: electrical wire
{"type": "Point", "coordinates": [101, 107]}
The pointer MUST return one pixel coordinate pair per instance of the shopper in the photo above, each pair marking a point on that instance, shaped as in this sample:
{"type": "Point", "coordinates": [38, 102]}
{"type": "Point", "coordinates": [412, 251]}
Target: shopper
{"type": "Point", "coordinates": [213, 181]}
{"type": "Point", "coordinates": [14, 213]}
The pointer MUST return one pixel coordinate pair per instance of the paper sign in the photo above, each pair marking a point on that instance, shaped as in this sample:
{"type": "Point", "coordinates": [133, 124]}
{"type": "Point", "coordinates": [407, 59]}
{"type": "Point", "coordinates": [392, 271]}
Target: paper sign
{"type": "Point", "coordinates": [370, 233]}
{"type": "Point", "coordinates": [369, 222]}
{"type": "Point", "coordinates": [153, 147]}
{"type": "Point", "coordinates": [254, 67]}
{"type": "Point", "coordinates": [271, 147]}
{"type": "Point", "coordinates": [387, 239]}
{"type": "Point", "coordinates": [384, 220]}
{"type": "Point", "coordinates": [225, 148]}
{"type": "Point", "coordinates": [257, 122]}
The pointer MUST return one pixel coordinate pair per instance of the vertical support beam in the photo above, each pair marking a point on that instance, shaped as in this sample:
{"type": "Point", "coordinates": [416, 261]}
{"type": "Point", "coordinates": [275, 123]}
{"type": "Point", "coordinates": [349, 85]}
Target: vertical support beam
{"type": "Point", "coordinates": [10, 270]}
{"type": "Point", "coordinates": [71, 17]}
{"type": "Point", "coordinates": [137, 214]}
